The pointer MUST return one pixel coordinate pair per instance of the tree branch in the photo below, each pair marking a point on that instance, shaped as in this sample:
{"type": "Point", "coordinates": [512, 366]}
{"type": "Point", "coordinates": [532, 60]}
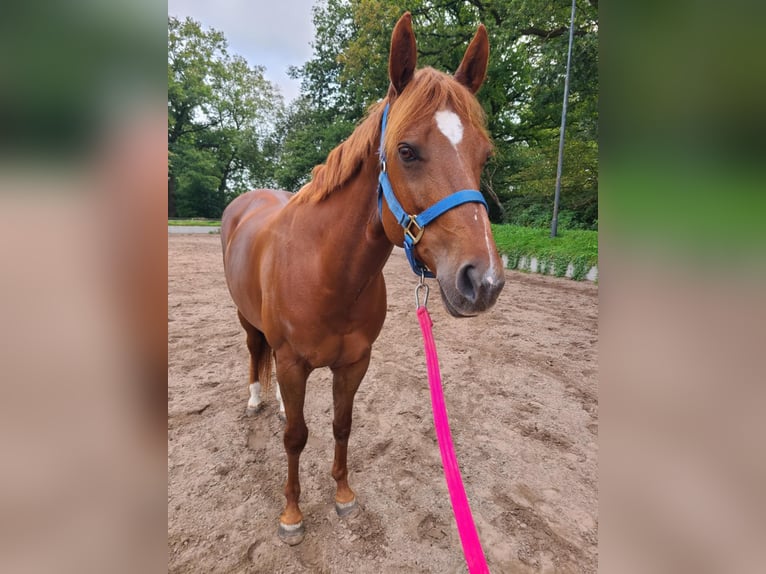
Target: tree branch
{"type": "Point", "coordinates": [491, 10]}
{"type": "Point", "coordinates": [195, 128]}
{"type": "Point", "coordinates": [547, 34]}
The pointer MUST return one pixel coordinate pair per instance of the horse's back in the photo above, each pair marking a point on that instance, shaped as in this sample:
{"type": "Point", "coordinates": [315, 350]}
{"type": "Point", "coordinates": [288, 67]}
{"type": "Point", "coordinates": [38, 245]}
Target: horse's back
{"type": "Point", "coordinates": [244, 221]}
{"type": "Point", "coordinates": [253, 208]}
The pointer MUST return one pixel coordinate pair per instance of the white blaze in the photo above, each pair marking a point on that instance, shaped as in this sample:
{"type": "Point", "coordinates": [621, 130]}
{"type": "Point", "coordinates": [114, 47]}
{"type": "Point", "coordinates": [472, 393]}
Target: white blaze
{"type": "Point", "coordinates": [450, 125]}
{"type": "Point", "coordinates": [490, 251]}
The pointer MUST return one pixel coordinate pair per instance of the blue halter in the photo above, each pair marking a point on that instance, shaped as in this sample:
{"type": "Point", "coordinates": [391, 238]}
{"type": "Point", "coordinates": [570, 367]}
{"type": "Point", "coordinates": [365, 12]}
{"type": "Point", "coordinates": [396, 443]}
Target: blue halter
{"type": "Point", "coordinates": [414, 225]}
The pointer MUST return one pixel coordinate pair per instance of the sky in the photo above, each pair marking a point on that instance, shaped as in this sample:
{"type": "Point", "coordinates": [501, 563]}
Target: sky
{"type": "Point", "coordinates": [271, 33]}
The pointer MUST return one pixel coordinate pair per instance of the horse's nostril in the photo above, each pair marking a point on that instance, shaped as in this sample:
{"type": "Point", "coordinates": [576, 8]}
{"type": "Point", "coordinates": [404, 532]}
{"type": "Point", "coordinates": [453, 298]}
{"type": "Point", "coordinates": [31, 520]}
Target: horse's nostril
{"type": "Point", "coordinates": [468, 281]}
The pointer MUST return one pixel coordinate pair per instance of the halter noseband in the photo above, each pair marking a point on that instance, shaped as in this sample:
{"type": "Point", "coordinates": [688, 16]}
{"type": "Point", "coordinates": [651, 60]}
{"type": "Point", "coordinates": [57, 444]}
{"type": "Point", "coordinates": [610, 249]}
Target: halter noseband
{"type": "Point", "coordinates": [414, 225]}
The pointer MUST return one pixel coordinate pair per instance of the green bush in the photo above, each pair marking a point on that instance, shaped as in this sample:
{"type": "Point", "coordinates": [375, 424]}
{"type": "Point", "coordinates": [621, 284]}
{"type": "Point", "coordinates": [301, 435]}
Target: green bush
{"type": "Point", "coordinates": [575, 246]}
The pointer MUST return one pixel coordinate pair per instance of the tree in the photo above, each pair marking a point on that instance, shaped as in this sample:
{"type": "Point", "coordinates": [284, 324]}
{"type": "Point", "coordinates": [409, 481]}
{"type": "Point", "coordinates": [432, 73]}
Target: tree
{"type": "Point", "coordinates": [218, 122]}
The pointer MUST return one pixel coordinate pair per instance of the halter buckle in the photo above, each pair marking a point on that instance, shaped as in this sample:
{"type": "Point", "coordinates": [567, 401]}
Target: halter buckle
{"type": "Point", "coordinates": [415, 237]}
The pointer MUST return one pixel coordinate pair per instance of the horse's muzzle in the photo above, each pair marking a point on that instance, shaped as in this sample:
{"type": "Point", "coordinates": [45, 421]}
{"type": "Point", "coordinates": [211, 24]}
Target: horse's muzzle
{"type": "Point", "coordinates": [472, 291]}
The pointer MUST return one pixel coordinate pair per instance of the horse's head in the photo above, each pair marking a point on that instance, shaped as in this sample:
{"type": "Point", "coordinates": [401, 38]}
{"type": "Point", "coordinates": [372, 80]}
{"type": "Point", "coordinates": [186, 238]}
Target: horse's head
{"type": "Point", "coordinates": [436, 144]}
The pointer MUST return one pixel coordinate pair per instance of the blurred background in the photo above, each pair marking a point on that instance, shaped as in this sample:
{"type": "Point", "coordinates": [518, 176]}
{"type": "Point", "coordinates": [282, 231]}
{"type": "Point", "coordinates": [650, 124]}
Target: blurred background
{"type": "Point", "coordinates": [83, 209]}
{"type": "Point", "coordinates": [682, 308]}
{"type": "Point", "coordinates": [83, 169]}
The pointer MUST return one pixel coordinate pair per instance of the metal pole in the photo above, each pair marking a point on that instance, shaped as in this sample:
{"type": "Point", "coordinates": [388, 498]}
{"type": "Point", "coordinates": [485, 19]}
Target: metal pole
{"type": "Point", "coordinates": [555, 221]}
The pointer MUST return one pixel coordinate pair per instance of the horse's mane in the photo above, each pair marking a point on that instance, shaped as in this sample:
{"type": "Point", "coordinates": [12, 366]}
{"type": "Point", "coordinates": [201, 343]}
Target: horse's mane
{"type": "Point", "coordinates": [345, 161]}
{"type": "Point", "coordinates": [428, 92]}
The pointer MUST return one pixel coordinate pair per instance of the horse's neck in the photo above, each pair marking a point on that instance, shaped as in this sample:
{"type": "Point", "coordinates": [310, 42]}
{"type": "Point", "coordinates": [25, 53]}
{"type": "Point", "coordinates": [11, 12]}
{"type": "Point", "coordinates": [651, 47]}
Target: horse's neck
{"type": "Point", "coordinates": [365, 244]}
{"type": "Point", "coordinates": [357, 247]}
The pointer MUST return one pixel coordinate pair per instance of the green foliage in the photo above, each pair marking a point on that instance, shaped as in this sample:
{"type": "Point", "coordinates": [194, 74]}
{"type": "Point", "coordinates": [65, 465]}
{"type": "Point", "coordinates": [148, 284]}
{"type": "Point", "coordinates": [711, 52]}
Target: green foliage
{"type": "Point", "coordinates": [305, 135]}
{"type": "Point", "coordinates": [580, 267]}
{"type": "Point", "coordinates": [578, 248]}
{"type": "Point", "coordinates": [196, 183]}
{"type": "Point", "coordinates": [560, 264]}
{"type": "Point", "coordinates": [218, 122]}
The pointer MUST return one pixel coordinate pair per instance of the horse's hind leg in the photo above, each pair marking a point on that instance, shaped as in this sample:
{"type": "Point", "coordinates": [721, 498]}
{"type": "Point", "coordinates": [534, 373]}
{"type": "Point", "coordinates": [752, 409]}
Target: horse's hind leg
{"type": "Point", "coordinates": [255, 343]}
{"type": "Point", "coordinates": [345, 383]}
{"type": "Point", "coordinates": [292, 374]}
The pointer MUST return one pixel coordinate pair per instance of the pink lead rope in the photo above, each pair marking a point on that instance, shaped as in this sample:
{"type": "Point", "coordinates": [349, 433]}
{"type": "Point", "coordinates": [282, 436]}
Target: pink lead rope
{"type": "Point", "coordinates": [474, 555]}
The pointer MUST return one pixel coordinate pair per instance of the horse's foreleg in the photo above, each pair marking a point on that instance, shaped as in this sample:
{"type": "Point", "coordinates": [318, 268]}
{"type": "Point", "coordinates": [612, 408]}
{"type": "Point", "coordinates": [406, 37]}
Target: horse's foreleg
{"type": "Point", "coordinates": [345, 384]}
{"type": "Point", "coordinates": [292, 383]}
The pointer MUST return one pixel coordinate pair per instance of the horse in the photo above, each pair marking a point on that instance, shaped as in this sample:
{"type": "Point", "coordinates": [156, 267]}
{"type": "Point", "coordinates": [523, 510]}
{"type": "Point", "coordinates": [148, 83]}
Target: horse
{"type": "Point", "coordinates": [305, 270]}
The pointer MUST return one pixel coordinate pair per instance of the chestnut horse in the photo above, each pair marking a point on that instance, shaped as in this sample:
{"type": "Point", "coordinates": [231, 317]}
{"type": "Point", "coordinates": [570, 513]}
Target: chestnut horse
{"type": "Point", "coordinates": [306, 270]}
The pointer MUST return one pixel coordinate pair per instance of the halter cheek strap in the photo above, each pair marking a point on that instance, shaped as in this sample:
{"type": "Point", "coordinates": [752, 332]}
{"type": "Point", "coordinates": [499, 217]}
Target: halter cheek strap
{"type": "Point", "coordinates": [414, 225]}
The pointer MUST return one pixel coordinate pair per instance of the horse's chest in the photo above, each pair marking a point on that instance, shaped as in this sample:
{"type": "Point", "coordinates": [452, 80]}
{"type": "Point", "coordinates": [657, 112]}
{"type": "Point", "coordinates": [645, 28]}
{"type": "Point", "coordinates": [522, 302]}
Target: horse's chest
{"type": "Point", "coordinates": [327, 343]}
{"type": "Point", "coordinates": [330, 338]}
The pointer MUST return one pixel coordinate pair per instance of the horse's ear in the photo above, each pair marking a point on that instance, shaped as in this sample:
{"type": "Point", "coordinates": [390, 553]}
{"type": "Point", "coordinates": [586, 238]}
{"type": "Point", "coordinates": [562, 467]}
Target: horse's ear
{"type": "Point", "coordinates": [404, 54]}
{"type": "Point", "coordinates": [473, 68]}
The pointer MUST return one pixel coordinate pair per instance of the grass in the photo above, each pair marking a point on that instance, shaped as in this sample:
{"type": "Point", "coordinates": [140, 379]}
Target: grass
{"type": "Point", "coordinates": [197, 222]}
{"type": "Point", "coordinates": [554, 255]}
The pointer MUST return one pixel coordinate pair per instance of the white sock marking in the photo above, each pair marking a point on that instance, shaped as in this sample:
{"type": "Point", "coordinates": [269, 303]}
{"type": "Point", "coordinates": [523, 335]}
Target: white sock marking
{"type": "Point", "coordinates": [450, 125]}
{"type": "Point", "coordinates": [487, 234]}
{"type": "Point", "coordinates": [255, 395]}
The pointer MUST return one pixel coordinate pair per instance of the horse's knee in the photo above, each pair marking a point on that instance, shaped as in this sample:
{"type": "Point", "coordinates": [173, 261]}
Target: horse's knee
{"type": "Point", "coordinates": [295, 438]}
{"type": "Point", "coordinates": [341, 432]}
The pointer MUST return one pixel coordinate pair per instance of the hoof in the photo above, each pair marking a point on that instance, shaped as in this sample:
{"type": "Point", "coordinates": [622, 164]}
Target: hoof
{"type": "Point", "coordinates": [291, 534]}
{"type": "Point", "coordinates": [347, 509]}
{"type": "Point", "coordinates": [252, 411]}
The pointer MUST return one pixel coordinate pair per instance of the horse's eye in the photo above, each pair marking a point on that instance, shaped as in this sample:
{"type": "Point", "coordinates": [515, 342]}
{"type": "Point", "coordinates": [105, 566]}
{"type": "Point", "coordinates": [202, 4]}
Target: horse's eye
{"type": "Point", "coordinates": [407, 153]}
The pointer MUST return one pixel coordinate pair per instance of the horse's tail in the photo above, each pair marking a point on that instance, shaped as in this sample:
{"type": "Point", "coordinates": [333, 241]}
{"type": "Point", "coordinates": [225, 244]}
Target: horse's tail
{"type": "Point", "coordinates": [263, 361]}
{"type": "Point", "coordinates": [260, 353]}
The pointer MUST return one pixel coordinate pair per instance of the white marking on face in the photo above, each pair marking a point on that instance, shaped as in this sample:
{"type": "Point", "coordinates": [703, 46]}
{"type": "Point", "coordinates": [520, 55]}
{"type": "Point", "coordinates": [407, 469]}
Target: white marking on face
{"type": "Point", "coordinates": [487, 235]}
{"type": "Point", "coordinates": [450, 125]}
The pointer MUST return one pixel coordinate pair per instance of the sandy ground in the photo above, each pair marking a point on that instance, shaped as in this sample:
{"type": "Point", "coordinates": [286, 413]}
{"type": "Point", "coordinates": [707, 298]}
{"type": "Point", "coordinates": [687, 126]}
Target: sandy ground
{"type": "Point", "coordinates": [521, 390]}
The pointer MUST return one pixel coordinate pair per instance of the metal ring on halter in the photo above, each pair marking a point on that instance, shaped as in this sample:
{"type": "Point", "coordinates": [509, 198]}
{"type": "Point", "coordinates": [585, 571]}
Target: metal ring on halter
{"type": "Point", "coordinates": [421, 285]}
